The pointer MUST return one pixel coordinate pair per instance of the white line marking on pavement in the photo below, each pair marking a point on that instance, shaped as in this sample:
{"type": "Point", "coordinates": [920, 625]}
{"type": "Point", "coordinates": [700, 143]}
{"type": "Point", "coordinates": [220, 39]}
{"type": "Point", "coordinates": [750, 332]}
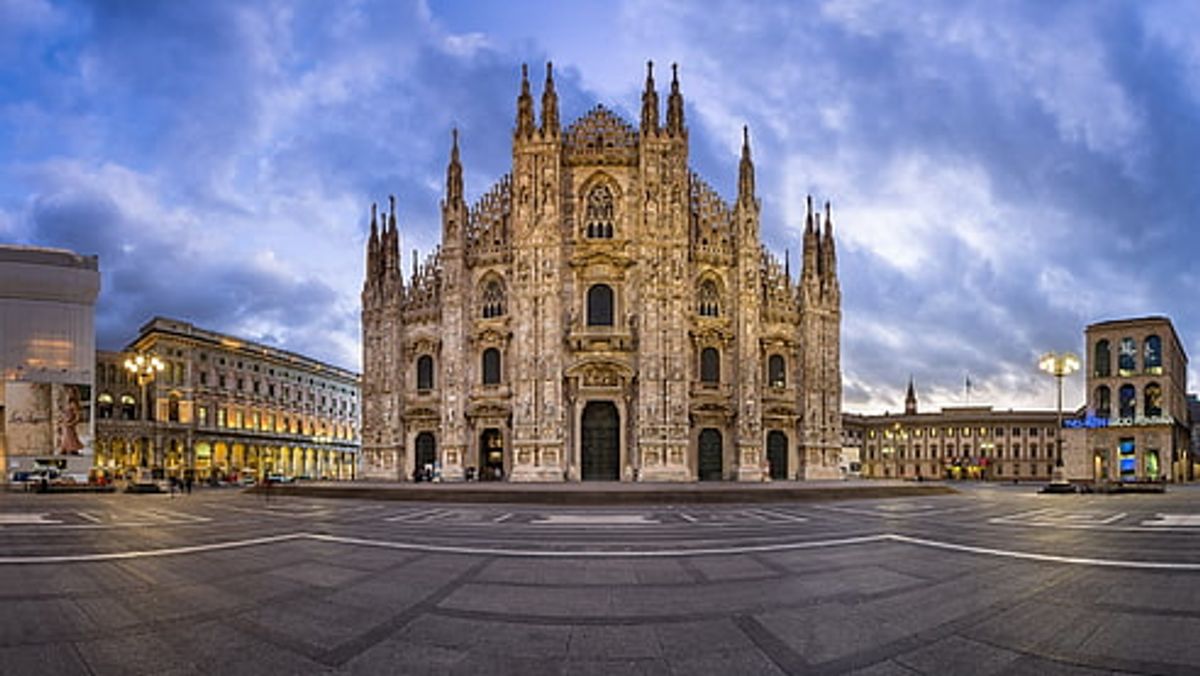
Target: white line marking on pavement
{"type": "Point", "coordinates": [595, 520]}
{"type": "Point", "coordinates": [1161, 520]}
{"type": "Point", "coordinates": [26, 519]}
{"type": "Point", "coordinates": [169, 515]}
{"type": "Point", "coordinates": [1050, 558]}
{"type": "Point", "coordinates": [89, 516]}
{"type": "Point", "coordinates": [779, 516]}
{"type": "Point", "coordinates": [420, 515]}
{"type": "Point", "coordinates": [171, 551]}
{"type": "Point", "coordinates": [688, 517]}
{"type": "Point", "coordinates": [597, 554]}
{"type": "Point", "coordinates": [894, 514]}
{"type": "Point", "coordinates": [503, 517]}
{"type": "Point", "coordinates": [593, 554]}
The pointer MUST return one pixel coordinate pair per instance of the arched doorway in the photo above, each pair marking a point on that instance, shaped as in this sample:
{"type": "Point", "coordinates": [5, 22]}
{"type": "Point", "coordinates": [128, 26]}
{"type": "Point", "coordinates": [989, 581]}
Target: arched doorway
{"type": "Point", "coordinates": [491, 455]}
{"type": "Point", "coordinates": [709, 464]}
{"type": "Point", "coordinates": [777, 455]}
{"type": "Point", "coordinates": [426, 453]}
{"type": "Point", "coordinates": [600, 454]}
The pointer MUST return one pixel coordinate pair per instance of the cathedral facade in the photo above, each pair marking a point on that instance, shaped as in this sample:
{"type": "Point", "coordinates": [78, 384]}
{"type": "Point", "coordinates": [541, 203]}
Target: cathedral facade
{"type": "Point", "coordinates": [601, 314]}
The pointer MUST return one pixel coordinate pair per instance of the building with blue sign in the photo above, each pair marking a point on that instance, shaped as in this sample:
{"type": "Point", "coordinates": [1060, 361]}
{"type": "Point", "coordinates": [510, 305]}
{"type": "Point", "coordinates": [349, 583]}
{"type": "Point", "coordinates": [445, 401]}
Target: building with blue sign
{"type": "Point", "coordinates": [1137, 419]}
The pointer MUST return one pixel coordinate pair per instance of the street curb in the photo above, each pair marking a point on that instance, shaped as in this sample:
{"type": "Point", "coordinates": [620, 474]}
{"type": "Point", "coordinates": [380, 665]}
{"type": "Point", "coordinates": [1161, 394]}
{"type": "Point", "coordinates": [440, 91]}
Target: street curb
{"type": "Point", "coordinates": [612, 496]}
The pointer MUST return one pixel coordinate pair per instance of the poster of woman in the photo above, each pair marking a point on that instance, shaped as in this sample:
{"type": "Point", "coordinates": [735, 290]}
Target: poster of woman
{"type": "Point", "coordinates": [74, 419]}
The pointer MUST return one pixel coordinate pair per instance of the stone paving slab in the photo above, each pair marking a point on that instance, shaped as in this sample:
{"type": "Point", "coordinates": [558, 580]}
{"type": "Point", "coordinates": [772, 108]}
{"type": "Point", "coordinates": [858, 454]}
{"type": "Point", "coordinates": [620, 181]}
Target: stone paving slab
{"type": "Point", "coordinates": [834, 603]}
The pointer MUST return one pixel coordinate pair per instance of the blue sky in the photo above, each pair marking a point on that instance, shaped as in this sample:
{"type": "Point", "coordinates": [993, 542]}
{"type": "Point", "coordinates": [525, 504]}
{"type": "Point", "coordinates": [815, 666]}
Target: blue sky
{"type": "Point", "coordinates": [1002, 174]}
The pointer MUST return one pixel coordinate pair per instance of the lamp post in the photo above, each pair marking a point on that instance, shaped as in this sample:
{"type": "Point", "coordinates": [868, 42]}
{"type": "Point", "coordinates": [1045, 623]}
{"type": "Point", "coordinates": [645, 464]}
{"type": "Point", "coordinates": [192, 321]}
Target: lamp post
{"type": "Point", "coordinates": [144, 367]}
{"type": "Point", "coordinates": [1059, 365]}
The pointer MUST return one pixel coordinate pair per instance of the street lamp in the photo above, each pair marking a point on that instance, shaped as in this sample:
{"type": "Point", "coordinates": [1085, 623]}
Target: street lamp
{"type": "Point", "coordinates": [144, 367]}
{"type": "Point", "coordinates": [1059, 365]}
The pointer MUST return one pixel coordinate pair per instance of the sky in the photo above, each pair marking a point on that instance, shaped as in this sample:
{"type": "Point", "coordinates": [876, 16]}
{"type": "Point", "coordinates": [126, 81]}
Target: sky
{"type": "Point", "coordinates": [1001, 173]}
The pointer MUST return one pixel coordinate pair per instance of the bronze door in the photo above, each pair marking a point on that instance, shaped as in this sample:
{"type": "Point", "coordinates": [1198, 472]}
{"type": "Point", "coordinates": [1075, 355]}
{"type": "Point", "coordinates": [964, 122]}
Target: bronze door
{"type": "Point", "coordinates": [601, 451]}
{"type": "Point", "coordinates": [777, 455]}
{"type": "Point", "coordinates": [710, 455]}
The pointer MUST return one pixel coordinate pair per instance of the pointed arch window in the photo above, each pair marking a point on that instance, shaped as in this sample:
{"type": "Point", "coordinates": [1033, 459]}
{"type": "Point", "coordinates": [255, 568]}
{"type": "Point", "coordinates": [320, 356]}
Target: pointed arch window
{"type": "Point", "coordinates": [492, 299]}
{"type": "Point", "coordinates": [710, 365]}
{"type": "Point", "coordinates": [599, 213]}
{"type": "Point", "coordinates": [1102, 357]}
{"type": "Point", "coordinates": [600, 305]}
{"type": "Point", "coordinates": [1153, 400]}
{"type": "Point", "coordinates": [1152, 356]}
{"type": "Point", "coordinates": [424, 372]}
{"type": "Point", "coordinates": [776, 373]}
{"type": "Point", "coordinates": [708, 299]}
{"type": "Point", "coordinates": [491, 366]}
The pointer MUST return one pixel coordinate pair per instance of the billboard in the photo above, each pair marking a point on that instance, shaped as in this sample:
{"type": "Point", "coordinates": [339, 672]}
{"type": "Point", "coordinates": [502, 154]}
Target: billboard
{"type": "Point", "coordinates": [44, 420]}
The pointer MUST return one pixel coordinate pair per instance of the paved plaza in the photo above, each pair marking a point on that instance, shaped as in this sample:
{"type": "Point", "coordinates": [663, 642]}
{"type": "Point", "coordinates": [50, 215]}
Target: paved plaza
{"type": "Point", "coordinates": [995, 579]}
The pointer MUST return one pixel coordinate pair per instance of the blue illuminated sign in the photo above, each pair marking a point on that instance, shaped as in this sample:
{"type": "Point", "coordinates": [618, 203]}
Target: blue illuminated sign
{"type": "Point", "coordinates": [1091, 422]}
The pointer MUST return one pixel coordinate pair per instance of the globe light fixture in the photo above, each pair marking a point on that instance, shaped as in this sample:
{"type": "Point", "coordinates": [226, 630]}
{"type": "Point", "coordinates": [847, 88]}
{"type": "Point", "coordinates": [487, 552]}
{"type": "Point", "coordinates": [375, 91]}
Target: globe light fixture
{"type": "Point", "coordinates": [144, 367]}
{"type": "Point", "coordinates": [1059, 365]}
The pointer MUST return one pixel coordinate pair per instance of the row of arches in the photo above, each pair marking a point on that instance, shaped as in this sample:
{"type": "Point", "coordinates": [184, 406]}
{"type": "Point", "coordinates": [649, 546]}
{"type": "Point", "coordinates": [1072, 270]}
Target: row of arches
{"type": "Point", "coordinates": [1127, 354]}
{"type": "Point", "coordinates": [1127, 401]}
{"type": "Point", "coordinates": [222, 460]}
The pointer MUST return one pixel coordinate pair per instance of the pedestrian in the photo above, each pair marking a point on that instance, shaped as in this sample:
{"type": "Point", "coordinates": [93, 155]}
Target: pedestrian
{"type": "Point", "coordinates": [187, 483]}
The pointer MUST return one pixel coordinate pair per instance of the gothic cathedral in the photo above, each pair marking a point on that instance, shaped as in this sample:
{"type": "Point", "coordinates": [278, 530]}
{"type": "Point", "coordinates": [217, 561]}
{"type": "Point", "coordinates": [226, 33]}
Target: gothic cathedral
{"type": "Point", "coordinates": [601, 314]}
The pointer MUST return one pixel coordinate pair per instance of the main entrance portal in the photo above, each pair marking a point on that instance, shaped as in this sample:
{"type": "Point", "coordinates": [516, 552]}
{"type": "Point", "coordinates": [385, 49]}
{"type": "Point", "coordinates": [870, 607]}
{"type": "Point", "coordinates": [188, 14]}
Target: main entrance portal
{"type": "Point", "coordinates": [426, 450]}
{"type": "Point", "coordinates": [600, 454]}
{"type": "Point", "coordinates": [710, 455]}
{"type": "Point", "coordinates": [777, 455]}
{"type": "Point", "coordinates": [491, 455]}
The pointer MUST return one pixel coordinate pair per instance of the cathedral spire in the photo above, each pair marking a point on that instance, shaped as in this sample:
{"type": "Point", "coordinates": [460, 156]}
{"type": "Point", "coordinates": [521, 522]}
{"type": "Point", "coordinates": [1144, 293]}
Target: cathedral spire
{"type": "Point", "coordinates": [373, 247]}
{"type": "Point", "coordinates": [828, 254]}
{"type": "Point", "coordinates": [549, 104]}
{"type": "Point", "coordinates": [675, 105]}
{"type": "Point", "coordinates": [809, 269]}
{"type": "Point", "coordinates": [524, 106]}
{"type": "Point", "coordinates": [910, 401]}
{"type": "Point", "coordinates": [649, 103]}
{"type": "Point", "coordinates": [454, 175]}
{"type": "Point", "coordinates": [393, 243]}
{"type": "Point", "coordinates": [746, 170]}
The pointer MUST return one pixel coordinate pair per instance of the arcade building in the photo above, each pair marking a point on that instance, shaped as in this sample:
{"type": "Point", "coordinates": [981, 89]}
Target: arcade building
{"type": "Point", "coordinates": [223, 408]}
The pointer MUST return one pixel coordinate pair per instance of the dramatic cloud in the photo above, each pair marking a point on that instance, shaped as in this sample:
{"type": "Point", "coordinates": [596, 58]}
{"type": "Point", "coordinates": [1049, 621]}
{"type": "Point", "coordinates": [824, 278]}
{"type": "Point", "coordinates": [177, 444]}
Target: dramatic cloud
{"type": "Point", "coordinates": [1001, 174]}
